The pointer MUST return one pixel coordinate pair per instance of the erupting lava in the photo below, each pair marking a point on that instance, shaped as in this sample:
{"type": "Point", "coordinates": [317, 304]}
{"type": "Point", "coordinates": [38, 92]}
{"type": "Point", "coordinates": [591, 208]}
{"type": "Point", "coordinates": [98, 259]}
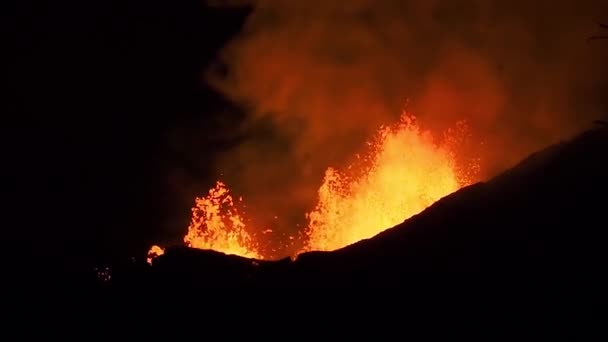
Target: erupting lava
{"type": "Point", "coordinates": [154, 252]}
{"type": "Point", "coordinates": [217, 224]}
{"type": "Point", "coordinates": [404, 172]}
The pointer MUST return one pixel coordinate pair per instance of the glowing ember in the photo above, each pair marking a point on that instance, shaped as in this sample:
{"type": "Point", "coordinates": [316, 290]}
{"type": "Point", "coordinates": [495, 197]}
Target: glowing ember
{"type": "Point", "coordinates": [154, 252]}
{"type": "Point", "coordinates": [404, 172]}
{"type": "Point", "coordinates": [103, 274]}
{"type": "Point", "coordinates": [217, 224]}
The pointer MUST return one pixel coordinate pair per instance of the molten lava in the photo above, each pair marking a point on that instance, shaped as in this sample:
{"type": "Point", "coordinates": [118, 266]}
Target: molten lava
{"type": "Point", "coordinates": [154, 252]}
{"type": "Point", "coordinates": [404, 171]}
{"type": "Point", "coordinates": [217, 224]}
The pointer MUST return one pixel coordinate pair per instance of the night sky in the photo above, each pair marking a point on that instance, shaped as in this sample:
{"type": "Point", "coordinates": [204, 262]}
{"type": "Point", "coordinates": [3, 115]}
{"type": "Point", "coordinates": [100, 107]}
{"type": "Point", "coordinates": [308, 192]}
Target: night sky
{"type": "Point", "coordinates": [97, 88]}
{"type": "Point", "coordinates": [117, 129]}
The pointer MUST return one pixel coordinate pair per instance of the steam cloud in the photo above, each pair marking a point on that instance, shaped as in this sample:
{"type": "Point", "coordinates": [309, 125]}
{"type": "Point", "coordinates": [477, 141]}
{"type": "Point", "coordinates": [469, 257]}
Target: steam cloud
{"type": "Point", "coordinates": [323, 75]}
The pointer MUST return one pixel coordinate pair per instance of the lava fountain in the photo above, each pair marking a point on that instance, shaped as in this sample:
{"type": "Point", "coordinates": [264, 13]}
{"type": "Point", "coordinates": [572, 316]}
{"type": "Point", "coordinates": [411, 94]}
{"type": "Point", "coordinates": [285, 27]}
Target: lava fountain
{"type": "Point", "coordinates": [217, 224]}
{"type": "Point", "coordinates": [403, 171]}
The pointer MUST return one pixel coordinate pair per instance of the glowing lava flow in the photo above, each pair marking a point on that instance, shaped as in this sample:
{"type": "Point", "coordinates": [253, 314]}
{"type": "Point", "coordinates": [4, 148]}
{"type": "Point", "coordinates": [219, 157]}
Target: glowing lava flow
{"type": "Point", "coordinates": [217, 224]}
{"type": "Point", "coordinates": [154, 252]}
{"type": "Point", "coordinates": [404, 172]}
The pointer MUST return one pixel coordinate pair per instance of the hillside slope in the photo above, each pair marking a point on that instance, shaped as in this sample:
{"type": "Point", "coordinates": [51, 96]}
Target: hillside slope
{"type": "Point", "coordinates": [521, 255]}
{"type": "Point", "coordinates": [546, 215]}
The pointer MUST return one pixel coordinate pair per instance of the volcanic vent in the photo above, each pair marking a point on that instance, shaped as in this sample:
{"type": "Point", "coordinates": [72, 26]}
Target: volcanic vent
{"type": "Point", "coordinates": [402, 170]}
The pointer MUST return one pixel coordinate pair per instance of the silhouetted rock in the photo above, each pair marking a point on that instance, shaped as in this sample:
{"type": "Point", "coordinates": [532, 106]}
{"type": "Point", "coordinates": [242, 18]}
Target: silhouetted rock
{"type": "Point", "coordinates": [525, 251]}
{"type": "Point", "coordinates": [545, 216]}
{"type": "Point", "coordinates": [190, 266]}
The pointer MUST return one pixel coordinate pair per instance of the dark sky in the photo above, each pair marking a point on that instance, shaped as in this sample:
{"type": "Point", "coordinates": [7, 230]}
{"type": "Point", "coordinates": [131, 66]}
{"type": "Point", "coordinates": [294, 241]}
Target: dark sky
{"type": "Point", "coordinates": [96, 90]}
{"type": "Point", "coordinates": [117, 129]}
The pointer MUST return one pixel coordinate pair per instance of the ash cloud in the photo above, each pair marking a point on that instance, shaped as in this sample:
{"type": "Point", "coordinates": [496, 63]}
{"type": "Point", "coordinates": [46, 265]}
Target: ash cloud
{"type": "Point", "coordinates": [319, 77]}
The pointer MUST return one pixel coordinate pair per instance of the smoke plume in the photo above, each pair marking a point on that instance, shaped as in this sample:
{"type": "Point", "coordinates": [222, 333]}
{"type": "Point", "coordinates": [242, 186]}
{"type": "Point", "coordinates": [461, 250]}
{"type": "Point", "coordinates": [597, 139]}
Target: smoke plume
{"type": "Point", "coordinates": [318, 77]}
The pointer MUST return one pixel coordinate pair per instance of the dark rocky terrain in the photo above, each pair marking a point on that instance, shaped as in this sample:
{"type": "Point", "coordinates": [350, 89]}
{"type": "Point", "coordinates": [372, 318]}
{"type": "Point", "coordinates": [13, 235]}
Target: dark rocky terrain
{"type": "Point", "coordinates": [520, 255]}
{"type": "Point", "coordinates": [544, 217]}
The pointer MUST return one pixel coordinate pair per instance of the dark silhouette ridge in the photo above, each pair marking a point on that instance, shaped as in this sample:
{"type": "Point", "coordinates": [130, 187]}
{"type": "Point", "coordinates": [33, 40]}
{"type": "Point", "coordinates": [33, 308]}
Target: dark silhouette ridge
{"type": "Point", "coordinates": [522, 252]}
{"type": "Point", "coordinates": [543, 215]}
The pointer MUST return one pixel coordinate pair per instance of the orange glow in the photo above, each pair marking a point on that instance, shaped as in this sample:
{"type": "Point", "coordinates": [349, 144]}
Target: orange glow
{"type": "Point", "coordinates": [404, 171]}
{"type": "Point", "coordinates": [217, 224]}
{"type": "Point", "coordinates": [154, 252]}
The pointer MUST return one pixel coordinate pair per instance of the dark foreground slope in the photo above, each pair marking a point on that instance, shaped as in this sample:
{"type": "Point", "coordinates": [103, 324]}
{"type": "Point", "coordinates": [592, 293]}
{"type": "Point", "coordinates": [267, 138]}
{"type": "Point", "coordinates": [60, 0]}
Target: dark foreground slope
{"type": "Point", "coordinates": [545, 217]}
{"type": "Point", "coordinates": [525, 249]}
